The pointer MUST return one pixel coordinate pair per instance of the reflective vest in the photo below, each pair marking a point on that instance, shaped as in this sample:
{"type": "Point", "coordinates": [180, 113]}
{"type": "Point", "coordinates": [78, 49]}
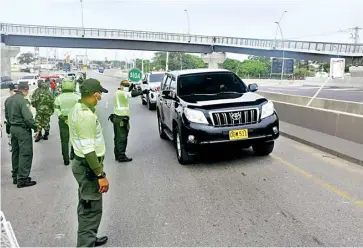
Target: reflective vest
{"type": "Point", "coordinates": [85, 131]}
{"type": "Point", "coordinates": [65, 102]}
{"type": "Point", "coordinates": [121, 103]}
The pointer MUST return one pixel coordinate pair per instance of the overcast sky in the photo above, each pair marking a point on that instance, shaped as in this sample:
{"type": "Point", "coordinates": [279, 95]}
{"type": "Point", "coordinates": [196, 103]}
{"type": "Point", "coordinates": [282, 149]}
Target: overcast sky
{"type": "Point", "coordinates": [317, 20]}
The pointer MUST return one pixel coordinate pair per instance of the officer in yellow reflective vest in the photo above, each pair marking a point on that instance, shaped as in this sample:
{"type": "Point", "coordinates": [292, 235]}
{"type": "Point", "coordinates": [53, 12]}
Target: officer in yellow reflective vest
{"type": "Point", "coordinates": [121, 118]}
{"type": "Point", "coordinates": [63, 104]}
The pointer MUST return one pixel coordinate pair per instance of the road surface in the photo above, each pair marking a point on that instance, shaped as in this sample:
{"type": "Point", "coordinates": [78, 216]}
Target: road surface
{"type": "Point", "coordinates": [298, 196]}
{"type": "Point", "coordinates": [344, 94]}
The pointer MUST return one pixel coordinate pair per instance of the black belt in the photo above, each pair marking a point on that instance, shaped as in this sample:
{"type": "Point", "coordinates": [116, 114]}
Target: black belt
{"type": "Point", "coordinates": [84, 160]}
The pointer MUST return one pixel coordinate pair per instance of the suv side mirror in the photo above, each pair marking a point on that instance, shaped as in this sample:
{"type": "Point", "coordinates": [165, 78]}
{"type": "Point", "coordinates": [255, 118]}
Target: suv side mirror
{"type": "Point", "coordinates": [144, 82]}
{"type": "Point", "coordinates": [253, 87]}
{"type": "Point", "coordinates": [166, 94]}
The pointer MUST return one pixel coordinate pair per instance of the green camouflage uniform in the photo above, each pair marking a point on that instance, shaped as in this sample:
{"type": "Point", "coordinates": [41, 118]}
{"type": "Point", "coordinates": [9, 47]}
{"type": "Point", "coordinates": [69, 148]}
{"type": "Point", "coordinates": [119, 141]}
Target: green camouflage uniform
{"type": "Point", "coordinates": [43, 102]}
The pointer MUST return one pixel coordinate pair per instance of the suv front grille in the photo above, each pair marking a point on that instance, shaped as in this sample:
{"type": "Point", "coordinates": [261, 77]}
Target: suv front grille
{"type": "Point", "coordinates": [235, 118]}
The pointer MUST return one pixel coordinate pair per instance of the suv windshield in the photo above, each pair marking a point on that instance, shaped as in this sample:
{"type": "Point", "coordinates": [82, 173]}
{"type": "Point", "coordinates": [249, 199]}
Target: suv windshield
{"type": "Point", "coordinates": [210, 83]}
{"type": "Point", "coordinates": [156, 77]}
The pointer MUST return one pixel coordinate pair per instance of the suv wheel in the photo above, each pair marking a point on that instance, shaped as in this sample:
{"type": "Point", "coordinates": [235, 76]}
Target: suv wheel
{"type": "Point", "coordinates": [161, 129]}
{"type": "Point", "coordinates": [150, 106]}
{"type": "Point", "coordinates": [263, 148]}
{"type": "Point", "coordinates": [142, 100]}
{"type": "Point", "coordinates": [183, 156]}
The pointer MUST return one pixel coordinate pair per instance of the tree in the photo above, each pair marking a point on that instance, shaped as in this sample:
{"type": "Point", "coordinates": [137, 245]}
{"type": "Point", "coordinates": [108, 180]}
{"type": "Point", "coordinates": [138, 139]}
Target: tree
{"type": "Point", "coordinates": [252, 68]}
{"type": "Point", "coordinates": [26, 58]}
{"type": "Point", "coordinates": [231, 64]}
{"type": "Point", "coordinates": [177, 61]}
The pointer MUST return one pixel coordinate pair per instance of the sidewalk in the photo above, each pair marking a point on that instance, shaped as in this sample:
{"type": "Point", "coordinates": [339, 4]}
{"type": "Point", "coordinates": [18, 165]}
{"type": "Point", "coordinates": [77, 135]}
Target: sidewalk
{"type": "Point", "coordinates": [345, 149]}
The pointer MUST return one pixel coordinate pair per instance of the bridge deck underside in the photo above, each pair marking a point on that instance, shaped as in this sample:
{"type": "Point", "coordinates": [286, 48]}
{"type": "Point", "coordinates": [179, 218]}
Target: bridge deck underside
{"type": "Point", "coordinates": [125, 44]}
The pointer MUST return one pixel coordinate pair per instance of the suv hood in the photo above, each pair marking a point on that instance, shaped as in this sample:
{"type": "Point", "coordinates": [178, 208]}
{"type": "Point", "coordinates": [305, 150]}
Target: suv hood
{"type": "Point", "coordinates": [249, 98]}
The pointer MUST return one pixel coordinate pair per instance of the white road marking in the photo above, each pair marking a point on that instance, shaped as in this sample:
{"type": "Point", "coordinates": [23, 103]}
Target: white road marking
{"type": "Point", "coordinates": [106, 103]}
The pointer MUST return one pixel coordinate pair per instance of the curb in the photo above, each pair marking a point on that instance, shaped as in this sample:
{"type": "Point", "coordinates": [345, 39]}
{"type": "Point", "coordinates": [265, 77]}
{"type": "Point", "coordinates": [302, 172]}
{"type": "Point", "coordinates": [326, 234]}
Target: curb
{"type": "Point", "coordinates": [322, 148]}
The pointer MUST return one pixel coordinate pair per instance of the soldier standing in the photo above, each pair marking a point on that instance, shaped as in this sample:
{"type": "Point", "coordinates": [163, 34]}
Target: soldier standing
{"type": "Point", "coordinates": [63, 104]}
{"type": "Point", "coordinates": [89, 148]}
{"type": "Point", "coordinates": [43, 102]}
{"type": "Point", "coordinates": [121, 118]}
{"type": "Point", "coordinates": [20, 122]}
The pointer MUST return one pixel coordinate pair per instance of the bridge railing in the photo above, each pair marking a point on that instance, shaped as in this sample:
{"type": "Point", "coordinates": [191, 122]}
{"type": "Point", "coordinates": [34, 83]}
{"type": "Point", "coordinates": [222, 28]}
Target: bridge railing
{"type": "Point", "coordinates": [290, 45]}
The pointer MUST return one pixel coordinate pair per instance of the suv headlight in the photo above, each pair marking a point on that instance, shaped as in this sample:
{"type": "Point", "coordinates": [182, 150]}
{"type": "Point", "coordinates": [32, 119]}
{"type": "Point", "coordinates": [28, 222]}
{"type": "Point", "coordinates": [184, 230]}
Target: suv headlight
{"type": "Point", "coordinates": [195, 116]}
{"type": "Point", "coordinates": [267, 109]}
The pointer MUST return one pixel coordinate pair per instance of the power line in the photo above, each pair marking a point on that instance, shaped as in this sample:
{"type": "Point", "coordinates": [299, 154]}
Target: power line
{"type": "Point", "coordinates": [354, 33]}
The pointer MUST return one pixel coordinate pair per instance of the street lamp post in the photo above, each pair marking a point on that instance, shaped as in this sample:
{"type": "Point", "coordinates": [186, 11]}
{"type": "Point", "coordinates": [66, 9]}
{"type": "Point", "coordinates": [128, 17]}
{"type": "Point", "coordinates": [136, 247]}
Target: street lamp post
{"type": "Point", "coordinates": [283, 51]}
{"type": "Point", "coordinates": [186, 12]}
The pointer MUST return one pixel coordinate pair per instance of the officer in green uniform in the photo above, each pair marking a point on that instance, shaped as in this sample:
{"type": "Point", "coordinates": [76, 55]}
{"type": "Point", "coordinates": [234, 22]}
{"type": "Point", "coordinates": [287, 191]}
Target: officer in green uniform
{"type": "Point", "coordinates": [63, 104]}
{"type": "Point", "coordinates": [20, 122]}
{"type": "Point", "coordinates": [87, 166]}
{"type": "Point", "coordinates": [121, 118]}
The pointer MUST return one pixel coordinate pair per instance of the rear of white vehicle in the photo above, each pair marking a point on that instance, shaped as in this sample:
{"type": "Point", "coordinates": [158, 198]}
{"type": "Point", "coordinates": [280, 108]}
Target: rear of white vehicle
{"type": "Point", "coordinates": [151, 82]}
{"type": "Point", "coordinates": [30, 79]}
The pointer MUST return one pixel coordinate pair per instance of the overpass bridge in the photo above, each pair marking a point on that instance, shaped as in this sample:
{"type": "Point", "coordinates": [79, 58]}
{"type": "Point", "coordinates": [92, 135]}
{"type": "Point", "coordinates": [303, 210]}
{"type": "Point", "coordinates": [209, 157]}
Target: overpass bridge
{"type": "Point", "coordinates": [75, 37]}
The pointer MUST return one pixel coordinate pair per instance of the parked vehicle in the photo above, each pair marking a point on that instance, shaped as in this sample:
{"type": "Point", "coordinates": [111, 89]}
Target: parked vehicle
{"type": "Point", "coordinates": [214, 106]}
{"type": "Point", "coordinates": [151, 82]}
{"type": "Point", "coordinates": [30, 79]}
{"type": "Point", "coordinates": [5, 82]}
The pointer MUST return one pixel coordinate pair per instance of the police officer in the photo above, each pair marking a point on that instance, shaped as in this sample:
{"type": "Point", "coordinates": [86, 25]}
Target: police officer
{"type": "Point", "coordinates": [43, 102]}
{"type": "Point", "coordinates": [89, 148]}
{"type": "Point", "coordinates": [63, 104]}
{"type": "Point", "coordinates": [20, 121]}
{"type": "Point", "coordinates": [121, 118]}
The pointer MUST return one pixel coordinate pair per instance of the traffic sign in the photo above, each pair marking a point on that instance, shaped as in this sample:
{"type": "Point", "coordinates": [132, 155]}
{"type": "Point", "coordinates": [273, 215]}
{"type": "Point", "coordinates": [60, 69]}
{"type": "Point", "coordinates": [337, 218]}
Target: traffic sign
{"type": "Point", "coordinates": [277, 66]}
{"type": "Point", "coordinates": [135, 75]}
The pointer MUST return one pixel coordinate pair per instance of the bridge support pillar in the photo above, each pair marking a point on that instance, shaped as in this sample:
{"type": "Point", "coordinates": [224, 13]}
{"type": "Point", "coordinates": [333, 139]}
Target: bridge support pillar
{"type": "Point", "coordinates": [213, 59]}
{"type": "Point", "coordinates": [6, 53]}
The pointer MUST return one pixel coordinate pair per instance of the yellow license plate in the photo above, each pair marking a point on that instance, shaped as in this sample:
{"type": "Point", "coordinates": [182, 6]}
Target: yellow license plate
{"type": "Point", "coordinates": [238, 134]}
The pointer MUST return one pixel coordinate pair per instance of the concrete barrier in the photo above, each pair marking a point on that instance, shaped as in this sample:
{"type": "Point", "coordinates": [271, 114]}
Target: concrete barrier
{"type": "Point", "coordinates": [348, 82]}
{"type": "Point", "coordinates": [322, 103]}
{"type": "Point", "coordinates": [335, 123]}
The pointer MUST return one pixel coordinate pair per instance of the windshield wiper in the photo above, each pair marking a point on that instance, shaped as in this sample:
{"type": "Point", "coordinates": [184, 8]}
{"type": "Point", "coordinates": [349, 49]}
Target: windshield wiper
{"type": "Point", "coordinates": [193, 94]}
{"type": "Point", "coordinates": [230, 92]}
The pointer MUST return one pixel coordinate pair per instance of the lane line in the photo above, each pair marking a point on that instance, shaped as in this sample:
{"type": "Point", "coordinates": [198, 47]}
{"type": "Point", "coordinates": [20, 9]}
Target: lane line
{"type": "Point", "coordinates": [326, 185]}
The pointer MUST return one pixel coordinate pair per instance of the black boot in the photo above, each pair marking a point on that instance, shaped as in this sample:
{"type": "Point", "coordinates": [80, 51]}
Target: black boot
{"type": "Point", "coordinates": [26, 183]}
{"type": "Point", "coordinates": [46, 134]}
{"type": "Point", "coordinates": [66, 162]}
{"type": "Point", "coordinates": [39, 137]}
{"type": "Point", "coordinates": [15, 180]}
{"type": "Point", "coordinates": [101, 241]}
{"type": "Point", "coordinates": [124, 159]}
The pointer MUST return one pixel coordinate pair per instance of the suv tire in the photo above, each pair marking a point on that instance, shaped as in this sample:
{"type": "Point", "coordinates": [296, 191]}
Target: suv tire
{"type": "Point", "coordinates": [142, 100]}
{"type": "Point", "coordinates": [150, 106]}
{"type": "Point", "coordinates": [161, 129]}
{"type": "Point", "coordinates": [182, 154]}
{"type": "Point", "coordinates": [263, 148]}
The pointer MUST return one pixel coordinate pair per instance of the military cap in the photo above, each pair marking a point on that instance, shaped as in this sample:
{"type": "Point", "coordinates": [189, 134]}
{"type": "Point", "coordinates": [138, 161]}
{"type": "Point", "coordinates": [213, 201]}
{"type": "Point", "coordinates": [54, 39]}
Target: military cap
{"type": "Point", "coordinates": [23, 86]}
{"type": "Point", "coordinates": [92, 85]}
{"type": "Point", "coordinates": [125, 83]}
{"type": "Point", "coordinates": [12, 87]}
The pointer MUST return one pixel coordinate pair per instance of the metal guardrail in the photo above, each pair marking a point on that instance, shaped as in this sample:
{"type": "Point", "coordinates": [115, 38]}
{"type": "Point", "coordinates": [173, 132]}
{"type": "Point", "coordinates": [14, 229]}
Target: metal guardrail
{"type": "Point", "coordinates": [288, 45]}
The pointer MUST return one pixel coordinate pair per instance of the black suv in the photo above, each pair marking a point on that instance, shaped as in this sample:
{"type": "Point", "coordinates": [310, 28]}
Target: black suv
{"type": "Point", "coordinates": [211, 106]}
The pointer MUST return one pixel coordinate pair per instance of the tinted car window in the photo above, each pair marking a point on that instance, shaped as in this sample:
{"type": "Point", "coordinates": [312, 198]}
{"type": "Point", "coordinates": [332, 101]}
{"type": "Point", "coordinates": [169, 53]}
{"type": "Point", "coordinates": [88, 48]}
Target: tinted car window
{"type": "Point", "coordinates": [210, 83]}
{"type": "Point", "coordinates": [156, 78]}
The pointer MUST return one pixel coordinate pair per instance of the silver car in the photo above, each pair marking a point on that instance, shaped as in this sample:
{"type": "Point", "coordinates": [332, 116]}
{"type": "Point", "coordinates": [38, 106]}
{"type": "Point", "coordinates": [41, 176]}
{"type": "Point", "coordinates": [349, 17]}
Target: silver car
{"type": "Point", "coordinates": [151, 82]}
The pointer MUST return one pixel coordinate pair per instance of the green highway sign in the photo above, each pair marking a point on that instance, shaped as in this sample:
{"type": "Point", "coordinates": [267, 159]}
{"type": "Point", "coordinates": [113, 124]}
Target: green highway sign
{"type": "Point", "coordinates": [135, 75]}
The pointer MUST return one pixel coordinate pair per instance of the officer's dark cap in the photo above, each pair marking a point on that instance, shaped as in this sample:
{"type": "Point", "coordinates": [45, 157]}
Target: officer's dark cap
{"type": "Point", "coordinates": [12, 87]}
{"type": "Point", "coordinates": [92, 85]}
{"type": "Point", "coordinates": [23, 86]}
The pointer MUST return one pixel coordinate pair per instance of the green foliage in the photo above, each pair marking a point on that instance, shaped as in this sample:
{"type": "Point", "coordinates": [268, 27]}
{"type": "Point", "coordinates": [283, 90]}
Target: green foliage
{"type": "Point", "coordinates": [252, 68]}
{"type": "Point", "coordinates": [26, 58]}
{"type": "Point", "coordinates": [177, 61]}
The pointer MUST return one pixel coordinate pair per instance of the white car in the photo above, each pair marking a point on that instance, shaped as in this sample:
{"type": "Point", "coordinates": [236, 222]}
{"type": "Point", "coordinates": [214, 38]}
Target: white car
{"type": "Point", "coordinates": [151, 82]}
{"type": "Point", "coordinates": [30, 79]}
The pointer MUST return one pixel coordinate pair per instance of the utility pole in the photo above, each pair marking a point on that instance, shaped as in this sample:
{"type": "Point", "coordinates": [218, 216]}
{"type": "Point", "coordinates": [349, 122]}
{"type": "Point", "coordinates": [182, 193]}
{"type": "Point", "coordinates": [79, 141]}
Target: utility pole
{"type": "Point", "coordinates": [167, 62]}
{"type": "Point", "coordinates": [355, 35]}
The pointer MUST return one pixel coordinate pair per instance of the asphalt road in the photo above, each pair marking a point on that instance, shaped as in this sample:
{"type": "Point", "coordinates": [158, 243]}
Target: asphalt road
{"type": "Point", "coordinates": [298, 196]}
{"type": "Point", "coordinates": [344, 94]}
